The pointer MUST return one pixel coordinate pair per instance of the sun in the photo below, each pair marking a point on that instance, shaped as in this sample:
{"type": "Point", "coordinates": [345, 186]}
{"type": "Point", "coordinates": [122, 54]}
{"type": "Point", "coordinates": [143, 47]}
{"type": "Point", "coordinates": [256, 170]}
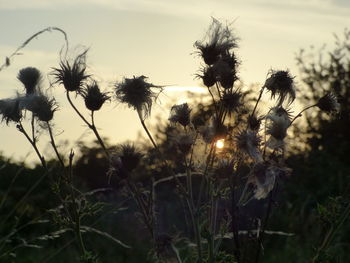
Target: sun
{"type": "Point", "coordinates": [220, 144]}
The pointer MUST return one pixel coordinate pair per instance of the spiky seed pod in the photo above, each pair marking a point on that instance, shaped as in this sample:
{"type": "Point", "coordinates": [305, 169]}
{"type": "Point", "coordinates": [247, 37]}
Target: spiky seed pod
{"type": "Point", "coordinates": [254, 122]}
{"type": "Point", "coordinates": [231, 100]}
{"type": "Point", "coordinates": [208, 77]}
{"type": "Point", "coordinates": [218, 41]}
{"type": "Point", "coordinates": [130, 156]}
{"type": "Point", "coordinates": [184, 142]}
{"type": "Point", "coordinates": [124, 161]}
{"type": "Point", "coordinates": [225, 74]}
{"type": "Point", "coordinates": [279, 122]}
{"type": "Point", "coordinates": [281, 85]}
{"type": "Point", "coordinates": [30, 77]}
{"type": "Point", "coordinates": [72, 75]}
{"type": "Point", "coordinates": [248, 142]}
{"type": "Point", "coordinates": [329, 103]}
{"type": "Point", "coordinates": [40, 105]}
{"type": "Point", "coordinates": [137, 93]}
{"type": "Point", "coordinates": [10, 110]}
{"type": "Point", "coordinates": [180, 114]}
{"type": "Point", "coordinates": [93, 97]}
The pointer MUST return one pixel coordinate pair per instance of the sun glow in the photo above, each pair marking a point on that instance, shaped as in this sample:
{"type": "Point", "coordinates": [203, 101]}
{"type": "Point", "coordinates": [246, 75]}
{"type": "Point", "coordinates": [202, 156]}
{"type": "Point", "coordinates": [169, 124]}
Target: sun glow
{"type": "Point", "coordinates": [220, 144]}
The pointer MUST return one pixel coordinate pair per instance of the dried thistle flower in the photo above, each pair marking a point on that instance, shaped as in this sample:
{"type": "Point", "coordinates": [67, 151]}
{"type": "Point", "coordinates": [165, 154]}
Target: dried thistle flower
{"type": "Point", "coordinates": [248, 142]}
{"type": "Point", "coordinates": [329, 103]}
{"type": "Point", "coordinates": [281, 85]}
{"type": "Point", "coordinates": [208, 77]}
{"type": "Point", "coordinates": [137, 93]}
{"type": "Point", "coordinates": [218, 41]}
{"type": "Point", "coordinates": [231, 100]}
{"type": "Point", "coordinates": [125, 161]}
{"type": "Point", "coordinates": [180, 114]}
{"type": "Point", "coordinates": [72, 75]}
{"type": "Point", "coordinates": [10, 110]}
{"type": "Point", "coordinates": [184, 141]}
{"type": "Point", "coordinates": [254, 122]}
{"type": "Point", "coordinates": [279, 121]}
{"type": "Point", "coordinates": [93, 97]}
{"type": "Point", "coordinates": [225, 74]}
{"type": "Point", "coordinates": [40, 105]}
{"type": "Point", "coordinates": [30, 77]}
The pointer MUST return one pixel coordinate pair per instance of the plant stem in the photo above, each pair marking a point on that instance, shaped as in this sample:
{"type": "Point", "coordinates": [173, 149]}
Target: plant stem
{"type": "Point", "coordinates": [258, 100]}
{"type": "Point", "coordinates": [53, 144]}
{"type": "Point", "coordinates": [299, 114]}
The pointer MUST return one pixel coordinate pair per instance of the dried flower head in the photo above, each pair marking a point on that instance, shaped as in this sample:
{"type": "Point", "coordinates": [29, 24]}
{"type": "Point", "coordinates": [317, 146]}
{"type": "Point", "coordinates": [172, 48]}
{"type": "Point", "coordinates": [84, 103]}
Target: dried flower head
{"type": "Point", "coordinates": [30, 77]}
{"type": "Point", "coordinates": [254, 122]}
{"type": "Point", "coordinates": [329, 103]}
{"type": "Point", "coordinates": [281, 85]}
{"type": "Point", "coordinates": [72, 75]}
{"type": "Point", "coordinates": [183, 141]}
{"type": "Point", "coordinates": [137, 93]}
{"type": "Point", "coordinates": [93, 97]}
{"type": "Point", "coordinates": [248, 142]}
{"type": "Point", "coordinates": [208, 77]}
{"type": "Point", "coordinates": [180, 114]}
{"type": "Point", "coordinates": [10, 110]}
{"type": "Point", "coordinates": [225, 74]}
{"type": "Point", "coordinates": [231, 100]}
{"type": "Point", "coordinates": [278, 123]}
{"type": "Point", "coordinates": [125, 161]}
{"type": "Point", "coordinates": [40, 105]}
{"type": "Point", "coordinates": [218, 40]}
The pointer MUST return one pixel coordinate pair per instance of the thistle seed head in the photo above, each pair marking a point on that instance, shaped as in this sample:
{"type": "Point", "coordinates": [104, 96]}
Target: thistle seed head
{"type": "Point", "coordinates": [180, 114]}
{"type": "Point", "coordinates": [329, 103]}
{"type": "Point", "coordinates": [93, 97]}
{"type": "Point", "coordinates": [281, 85]}
{"type": "Point", "coordinates": [248, 142]}
{"type": "Point", "coordinates": [231, 100]}
{"type": "Point", "coordinates": [254, 122]}
{"type": "Point", "coordinates": [30, 77]}
{"type": "Point", "coordinates": [218, 40]}
{"type": "Point", "coordinates": [10, 110]}
{"type": "Point", "coordinates": [137, 93]}
{"type": "Point", "coordinates": [72, 75]}
{"type": "Point", "coordinates": [279, 121]}
{"type": "Point", "coordinates": [40, 105]}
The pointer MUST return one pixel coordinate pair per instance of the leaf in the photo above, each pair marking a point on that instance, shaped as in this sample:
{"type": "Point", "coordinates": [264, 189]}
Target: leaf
{"type": "Point", "coordinates": [94, 230]}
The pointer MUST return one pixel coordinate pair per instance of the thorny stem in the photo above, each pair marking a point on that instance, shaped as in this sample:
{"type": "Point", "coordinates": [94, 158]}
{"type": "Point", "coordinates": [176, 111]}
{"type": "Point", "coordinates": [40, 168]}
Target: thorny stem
{"type": "Point", "coordinates": [33, 143]}
{"type": "Point", "coordinates": [299, 114]}
{"type": "Point", "coordinates": [267, 216]}
{"type": "Point", "coordinates": [90, 125]}
{"type": "Point", "coordinates": [76, 210]}
{"type": "Point", "coordinates": [258, 100]}
{"type": "Point", "coordinates": [54, 145]}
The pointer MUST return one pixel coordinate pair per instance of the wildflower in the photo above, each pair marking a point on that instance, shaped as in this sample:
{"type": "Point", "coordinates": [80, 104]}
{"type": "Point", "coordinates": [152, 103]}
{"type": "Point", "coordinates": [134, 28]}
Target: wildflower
{"type": "Point", "coordinates": [93, 97]}
{"type": "Point", "coordinates": [125, 161]}
{"type": "Point", "coordinates": [264, 177]}
{"type": "Point", "coordinates": [279, 121]}
{"type": "Point", "coordinates": [254, 122]}
{"type": "Point", "coordinates": [72, 76]}
{"type": "Point", "coordinates": [184, 141]}
{"type": "Point", "coordinates": [137, 93]}
{"type": "Point", "coordinates": [231, 100]}
{"type": "Point", "coordinates": [281, 84]}
{"type": "Point", "coordinates": [10, 110]}
{"type": "Point", "coordinates": [30, 77]}
{"type": "Point", "coordinates": [328, 103]}
{"type": "Point", "coordinates": [218, 41]}
{"type": "Point", "coordinates": [208, 77]}
{"type": "Point", "coordinates": [181, 114]}
{"type": "Point", "coordinates": [226, 75]}
{"type": "Point", "coordinates": [248, 142]}
{"type": "Point", "coordinates": [40, 105]}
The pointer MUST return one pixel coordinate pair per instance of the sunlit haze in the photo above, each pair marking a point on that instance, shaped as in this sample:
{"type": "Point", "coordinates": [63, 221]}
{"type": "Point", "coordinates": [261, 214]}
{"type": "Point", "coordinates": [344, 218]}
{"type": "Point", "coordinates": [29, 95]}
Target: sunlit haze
{"type": "Point", "coordinates": [153, 38]}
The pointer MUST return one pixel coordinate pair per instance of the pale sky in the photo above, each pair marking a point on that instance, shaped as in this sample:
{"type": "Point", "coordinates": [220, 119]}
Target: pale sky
{"type": "Point", "coordinates": [153, 38]}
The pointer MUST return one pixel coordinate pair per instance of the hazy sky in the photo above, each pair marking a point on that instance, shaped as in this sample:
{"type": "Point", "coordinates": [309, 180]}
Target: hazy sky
{"type": "Point", "coordinates": [153, 38]}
